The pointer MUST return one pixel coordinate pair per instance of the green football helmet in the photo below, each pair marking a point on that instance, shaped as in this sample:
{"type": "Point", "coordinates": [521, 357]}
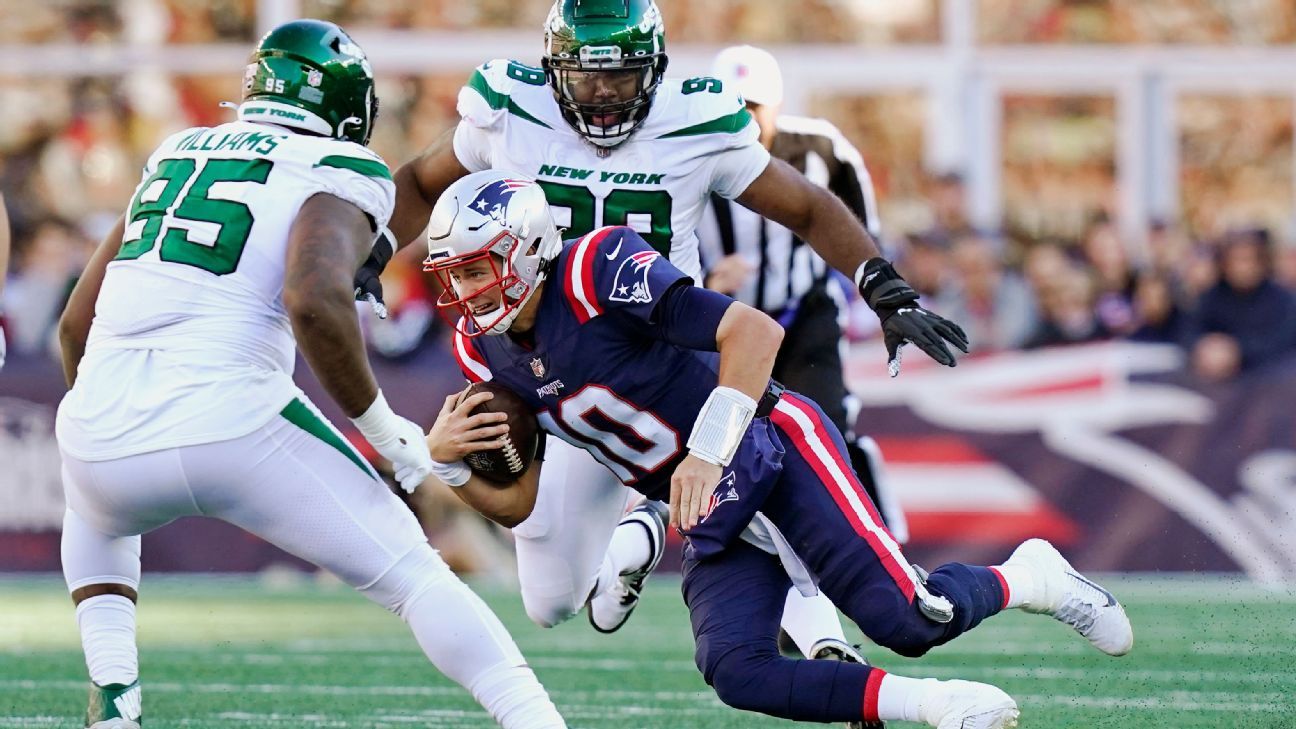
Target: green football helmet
{"type": "Point", "coordinates": [604, 60]}
{"type": "Point", "coordinates": [310, 75]}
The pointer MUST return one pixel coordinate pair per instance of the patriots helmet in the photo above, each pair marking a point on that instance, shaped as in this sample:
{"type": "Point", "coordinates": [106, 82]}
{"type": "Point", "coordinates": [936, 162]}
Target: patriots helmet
{"type": "Point", "coordinates": [604, 60]}
{"type": "Point", "coordinates": [501, 218]}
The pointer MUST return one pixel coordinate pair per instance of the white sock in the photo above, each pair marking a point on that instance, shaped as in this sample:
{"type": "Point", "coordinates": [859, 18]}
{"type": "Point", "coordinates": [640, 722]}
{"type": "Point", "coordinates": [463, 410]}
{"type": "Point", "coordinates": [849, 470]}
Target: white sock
{"type": "Point", "coordinates": [107, 625]}
{"type": "Point", "coordinates": [1021, 584]}
{"type": "Point", "coordinates": [810, 619]}
{"type": "Point", "coordinates": [467, 642]}
{"type": "Point", "coordinates": [630, 548]}
{"type": "Point", "coordinates": [900, 698]}
{"type": "Point", "coordinates": [516, 699]}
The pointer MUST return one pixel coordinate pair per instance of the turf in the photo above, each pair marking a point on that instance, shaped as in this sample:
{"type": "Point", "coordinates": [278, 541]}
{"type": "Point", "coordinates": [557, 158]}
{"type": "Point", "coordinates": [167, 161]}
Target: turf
{"type": "Point", "coordinates": [250, 653]}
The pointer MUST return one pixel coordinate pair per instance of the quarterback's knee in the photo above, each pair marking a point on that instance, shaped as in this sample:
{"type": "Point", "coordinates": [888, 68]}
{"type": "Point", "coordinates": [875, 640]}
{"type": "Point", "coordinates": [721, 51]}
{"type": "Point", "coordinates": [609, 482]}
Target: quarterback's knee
{"type": "Point", "coordinates": [893, 621]}
{"type": "Point", "coordinates": [741, 678]}
{"type": "Point", "coordinates": [548, 612]}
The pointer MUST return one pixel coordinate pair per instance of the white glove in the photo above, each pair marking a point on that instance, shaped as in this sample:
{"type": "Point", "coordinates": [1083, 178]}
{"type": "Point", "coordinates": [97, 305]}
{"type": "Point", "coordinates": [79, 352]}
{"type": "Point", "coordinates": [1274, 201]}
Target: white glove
{"type": "Point", "coordinates": [398, 440]}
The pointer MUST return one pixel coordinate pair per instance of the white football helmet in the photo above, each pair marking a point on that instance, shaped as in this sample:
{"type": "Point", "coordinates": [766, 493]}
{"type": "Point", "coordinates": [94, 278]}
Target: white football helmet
{"type": "Point", "coordinates": [501, 217]}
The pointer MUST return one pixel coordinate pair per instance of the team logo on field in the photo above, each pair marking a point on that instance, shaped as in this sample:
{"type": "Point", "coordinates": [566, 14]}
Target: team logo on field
{"type": "Point", "coordinates": [493, 199]}
{"type": "Point", "coordinates": [538, 368]}
{"type": "Point", "coordinates": [725, 491]}
{"type": "Point", "coordinates": [631, 282]}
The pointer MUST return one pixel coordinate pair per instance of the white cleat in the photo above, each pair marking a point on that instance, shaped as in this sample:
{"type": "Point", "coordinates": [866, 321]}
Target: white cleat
{"type": "Point", "coordinates": [969, 705]}
{"type": "Point", "coordinates": [1073, 599]}
{"type": "Point", "coordinates": [610, 610]}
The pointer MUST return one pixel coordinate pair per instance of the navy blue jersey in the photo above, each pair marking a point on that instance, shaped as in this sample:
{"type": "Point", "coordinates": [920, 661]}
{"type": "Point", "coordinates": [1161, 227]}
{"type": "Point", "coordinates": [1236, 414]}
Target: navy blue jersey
{"type": "Point", "coordinates": [597, 369]}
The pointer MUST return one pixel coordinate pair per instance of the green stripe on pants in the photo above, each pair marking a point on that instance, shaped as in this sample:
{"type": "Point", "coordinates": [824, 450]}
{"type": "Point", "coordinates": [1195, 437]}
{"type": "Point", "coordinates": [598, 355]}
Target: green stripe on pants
{"type": "Point", "coordinates": [297, 413]}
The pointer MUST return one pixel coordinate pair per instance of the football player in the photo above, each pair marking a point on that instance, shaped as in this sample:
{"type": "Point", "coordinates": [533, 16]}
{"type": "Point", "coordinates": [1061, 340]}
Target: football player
{"type": "Point", "coordinates": [616, 353]}
{"type": "Point", "coordinates": [613, 141]}
{"type": "Point", "coordinates": [239, 246]}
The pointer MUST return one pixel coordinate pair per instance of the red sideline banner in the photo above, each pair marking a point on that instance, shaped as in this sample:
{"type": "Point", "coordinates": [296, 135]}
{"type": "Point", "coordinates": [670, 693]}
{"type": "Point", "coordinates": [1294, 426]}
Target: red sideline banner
{"type": "Point", "coordinates": [1110, 450]}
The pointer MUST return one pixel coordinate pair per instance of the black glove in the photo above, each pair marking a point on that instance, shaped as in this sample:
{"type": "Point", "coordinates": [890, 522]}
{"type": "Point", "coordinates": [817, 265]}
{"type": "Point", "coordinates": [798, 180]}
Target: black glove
{"type": "Point", "coordinates": [903, 320]}
{"type": "Point", "coordinates": [368, 287]}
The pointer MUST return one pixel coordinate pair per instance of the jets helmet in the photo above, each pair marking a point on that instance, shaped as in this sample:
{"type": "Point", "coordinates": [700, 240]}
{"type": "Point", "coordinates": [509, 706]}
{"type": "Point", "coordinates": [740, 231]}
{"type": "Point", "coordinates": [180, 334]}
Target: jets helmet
{"type": "Point", "coordinates": [501, 218]}
{"type": "Point", "coordinates": [310, 75]}
{"type": "Point", "coordinates": [604, 60]}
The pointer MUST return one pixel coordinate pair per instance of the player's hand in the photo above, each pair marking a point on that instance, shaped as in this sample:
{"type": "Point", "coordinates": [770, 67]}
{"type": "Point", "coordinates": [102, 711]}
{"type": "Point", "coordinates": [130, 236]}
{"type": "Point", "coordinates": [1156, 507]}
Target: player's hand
{"type": "Point", "coordinates": [457, 432]}
{"type": "Point", "coordinates": [398, 440]}
{"type": "Point", "coordinates": [903, 320]}
{"type": "Point", "coordinates": [368, 285]}
{"type": "Point", "coordinates": [408, 454]}
{"type": "Point", "coordinates": [692, 484]}
{"type": "Point", "coordinates": [729, 274]}
{"type": "Point", "coordinates": [926, 330]}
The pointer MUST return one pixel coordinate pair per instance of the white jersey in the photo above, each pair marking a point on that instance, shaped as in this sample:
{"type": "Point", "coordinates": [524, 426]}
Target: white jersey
{"type": "Point", "coordinates": [191, 342]}
{"type": "Point", "coordinates": [698, 139]}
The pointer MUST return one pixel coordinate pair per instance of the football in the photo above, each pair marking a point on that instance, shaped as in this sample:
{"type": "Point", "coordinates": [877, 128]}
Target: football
{"type": "Point", "coordinates": [504, 465]}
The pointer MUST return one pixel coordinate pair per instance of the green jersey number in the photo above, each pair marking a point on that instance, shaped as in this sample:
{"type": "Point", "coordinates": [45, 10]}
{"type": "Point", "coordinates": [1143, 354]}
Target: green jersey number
{"type": "Point", "coordinates": [233, 219]}
{"type": "Point", "coordinates": [702, 83]}
{"type": "Point", "coordinates": [526, 74]}
{"type": "Point", "coordinates": [618, 206]}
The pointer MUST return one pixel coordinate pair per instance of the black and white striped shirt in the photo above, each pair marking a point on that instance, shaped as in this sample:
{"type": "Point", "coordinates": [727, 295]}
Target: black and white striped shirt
{"type": "Point", "coordinates": [785, 266]}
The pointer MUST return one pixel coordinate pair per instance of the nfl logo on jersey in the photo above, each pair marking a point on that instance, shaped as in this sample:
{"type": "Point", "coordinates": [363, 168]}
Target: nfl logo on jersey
{"type": "Point", "coordinates": [631, 282]}
{"type": "Point", "coordinates": [537, 368]}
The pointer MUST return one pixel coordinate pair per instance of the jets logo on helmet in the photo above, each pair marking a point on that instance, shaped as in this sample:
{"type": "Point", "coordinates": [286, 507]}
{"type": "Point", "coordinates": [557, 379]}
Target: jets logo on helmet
{"type": "Point", "coordinates": [493, 200]}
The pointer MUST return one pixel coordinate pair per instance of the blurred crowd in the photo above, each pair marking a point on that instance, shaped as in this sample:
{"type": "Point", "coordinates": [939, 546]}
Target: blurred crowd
{"type": "Point", "coordinates": [1218, 282]}
{"type": "Point", "coordinates": [1228, 300]}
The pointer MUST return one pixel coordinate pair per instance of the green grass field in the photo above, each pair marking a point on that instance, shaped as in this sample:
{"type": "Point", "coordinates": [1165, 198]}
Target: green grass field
{"type": "Point", "coordinates": [240, 653]}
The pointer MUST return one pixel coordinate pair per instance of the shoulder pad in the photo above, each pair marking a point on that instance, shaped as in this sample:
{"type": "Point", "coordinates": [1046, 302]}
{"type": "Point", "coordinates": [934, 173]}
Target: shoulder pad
{"type": "Point", "coordinates": [700, 106]}
{"type": "Point", "coordinates": [494, 89]}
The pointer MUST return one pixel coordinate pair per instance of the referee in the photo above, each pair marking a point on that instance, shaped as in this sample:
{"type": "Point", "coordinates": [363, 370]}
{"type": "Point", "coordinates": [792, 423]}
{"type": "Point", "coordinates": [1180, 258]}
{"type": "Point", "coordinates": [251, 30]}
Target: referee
{"type": "Point", "coordinates": [765, 265]}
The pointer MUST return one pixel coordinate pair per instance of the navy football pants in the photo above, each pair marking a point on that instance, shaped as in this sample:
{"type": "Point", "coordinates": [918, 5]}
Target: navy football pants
{"type": "Point", "coordinates": [735, 598]}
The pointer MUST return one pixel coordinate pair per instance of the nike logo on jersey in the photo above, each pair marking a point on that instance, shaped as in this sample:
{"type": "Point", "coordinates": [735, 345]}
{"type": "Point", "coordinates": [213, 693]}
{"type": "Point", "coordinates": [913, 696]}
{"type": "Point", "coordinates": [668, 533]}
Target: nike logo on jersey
{"type": "Point", "coordinates": [615, 251]}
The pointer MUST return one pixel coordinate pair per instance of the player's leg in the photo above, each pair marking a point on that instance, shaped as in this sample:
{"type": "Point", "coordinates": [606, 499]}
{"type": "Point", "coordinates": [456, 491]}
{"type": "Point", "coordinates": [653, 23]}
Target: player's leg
{"type": "Point", "coordinates": [566, 550]}
{"type": "Point", "coordinates": [109, 504]}
{"type": "Point", "coordinates": [836, 531]}
{"type": "Point", "coordinates": [296, 483]}
{"type": "Point", "coordinates": [734, 602]}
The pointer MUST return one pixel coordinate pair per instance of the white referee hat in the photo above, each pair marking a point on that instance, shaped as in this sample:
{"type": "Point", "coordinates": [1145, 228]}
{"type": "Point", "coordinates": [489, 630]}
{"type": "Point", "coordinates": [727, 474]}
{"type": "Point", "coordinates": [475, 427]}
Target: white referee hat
{"type": "Point", "coordinates": [752, 72]}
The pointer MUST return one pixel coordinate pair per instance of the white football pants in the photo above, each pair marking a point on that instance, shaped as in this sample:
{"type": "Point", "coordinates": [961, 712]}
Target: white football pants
{"type": "Point", "coordinates": [301, 487]}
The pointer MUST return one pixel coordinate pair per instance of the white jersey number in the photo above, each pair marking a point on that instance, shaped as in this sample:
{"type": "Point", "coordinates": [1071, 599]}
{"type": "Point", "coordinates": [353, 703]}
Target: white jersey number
{"type": "Point", "coordinates": [657, 442]}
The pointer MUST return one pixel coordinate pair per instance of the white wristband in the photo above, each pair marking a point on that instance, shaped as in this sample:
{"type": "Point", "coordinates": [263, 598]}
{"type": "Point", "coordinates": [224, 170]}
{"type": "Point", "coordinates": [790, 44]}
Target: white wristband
{"type": "Point", "coordinates": [720, 426]}
{"type": "Point", "coordinates": [453, 474]}
{"type": "Point", "coordinates": [379, 422]}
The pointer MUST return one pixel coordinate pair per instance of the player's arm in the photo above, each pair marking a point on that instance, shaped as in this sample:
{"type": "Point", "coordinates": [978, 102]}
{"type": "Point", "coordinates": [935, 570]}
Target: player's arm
{"type": "Point", "coordinates": [784, 195]}
{"type": "Point", "coordinates": [457, 433]}
{"type": "Point", "coordinates": [327, 241]}
{"type": "Point", "coordinates": [74, 324]}
{"type": "Point", "coordinates": [748, 342]}
{"type": "Point", "coordinates": [419, 183]}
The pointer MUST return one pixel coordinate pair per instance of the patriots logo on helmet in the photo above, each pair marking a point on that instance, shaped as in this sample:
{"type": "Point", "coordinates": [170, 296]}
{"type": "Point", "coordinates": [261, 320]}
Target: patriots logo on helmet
{"type": "Point", "coordinates": [631, 282]}
{"type": "Point", "coordinates": [493, 199]}
{"type": "Point", "coordinates": [725, 491]}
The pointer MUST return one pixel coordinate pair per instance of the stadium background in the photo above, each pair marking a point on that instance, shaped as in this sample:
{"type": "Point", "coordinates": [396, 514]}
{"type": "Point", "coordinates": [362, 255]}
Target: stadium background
{"type": "Point", "coordinates": [1094, 158]}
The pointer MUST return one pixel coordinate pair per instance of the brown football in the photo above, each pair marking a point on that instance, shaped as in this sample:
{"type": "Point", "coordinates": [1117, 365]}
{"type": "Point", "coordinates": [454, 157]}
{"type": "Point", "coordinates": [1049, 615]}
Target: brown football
{"type": "Point", "coordinates": [504, 465]}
